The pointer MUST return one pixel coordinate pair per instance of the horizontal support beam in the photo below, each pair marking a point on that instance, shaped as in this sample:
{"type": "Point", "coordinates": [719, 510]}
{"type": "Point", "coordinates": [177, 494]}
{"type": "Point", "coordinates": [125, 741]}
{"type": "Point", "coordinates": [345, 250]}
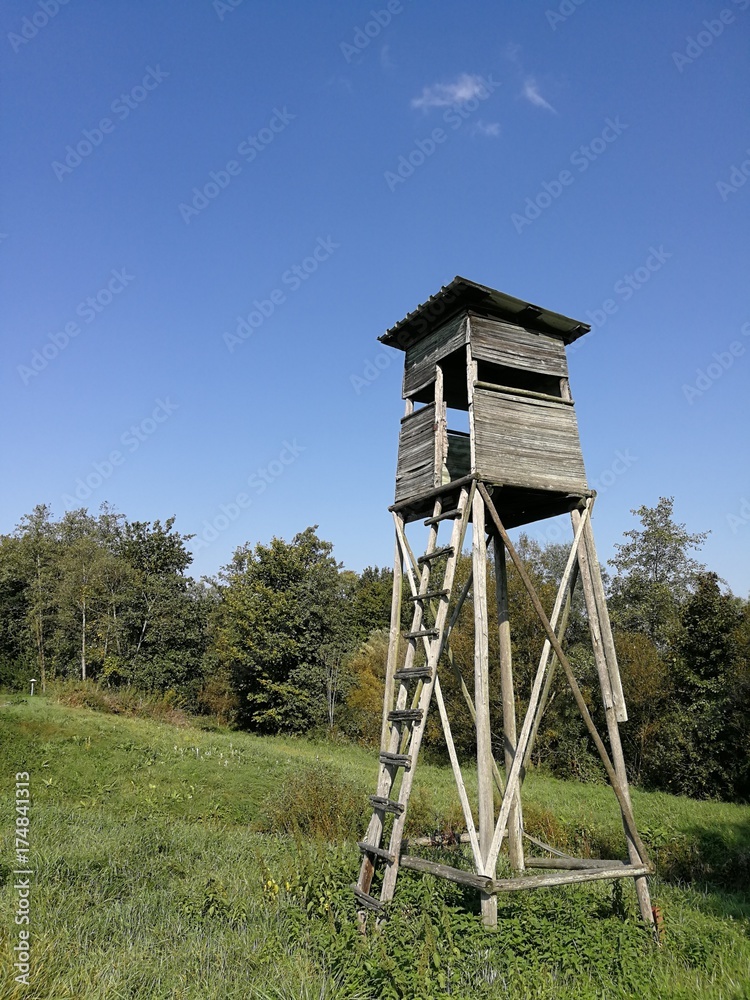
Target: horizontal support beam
{"type": "Point", "coordinates": [378, 852]}
{"type": "Point", "coordinates": [488, 885]}
{"type": "Point", "coordinates": [575, 864]}
{"type": "Point", "coordinates": [446, 871]}
{"type": "Point", "coordinates": [569, 878]}
{"type": "Point", "coordinates": [450, 487]}
{"type": "Point", "coordinates": [523, 392]}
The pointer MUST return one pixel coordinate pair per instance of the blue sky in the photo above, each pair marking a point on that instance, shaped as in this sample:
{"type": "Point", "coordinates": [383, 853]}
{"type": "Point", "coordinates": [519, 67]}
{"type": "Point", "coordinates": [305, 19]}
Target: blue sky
{"type": "Point", "coordinates": [211, 210]}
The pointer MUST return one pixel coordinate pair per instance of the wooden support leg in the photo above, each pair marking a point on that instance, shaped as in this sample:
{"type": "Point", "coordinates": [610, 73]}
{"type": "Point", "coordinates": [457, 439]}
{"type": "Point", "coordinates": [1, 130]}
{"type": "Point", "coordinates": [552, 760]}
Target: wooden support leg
{"type": "Point", "coordinates": [485, 788]}
{"type": "Point", "coordinates": [515, 818]}
{"type": "Point", "coordinates": [610, 710]}
{"type": "Point", "coordinates": [375, 828]}
{"type": "Point", "coordinates": [394, 639]}
{"type": "Point", "coordinates": [514, 776]}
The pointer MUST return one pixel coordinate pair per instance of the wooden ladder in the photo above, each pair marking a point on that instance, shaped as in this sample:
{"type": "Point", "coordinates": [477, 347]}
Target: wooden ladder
{"type": "Point", "coordinates": [412, 686]}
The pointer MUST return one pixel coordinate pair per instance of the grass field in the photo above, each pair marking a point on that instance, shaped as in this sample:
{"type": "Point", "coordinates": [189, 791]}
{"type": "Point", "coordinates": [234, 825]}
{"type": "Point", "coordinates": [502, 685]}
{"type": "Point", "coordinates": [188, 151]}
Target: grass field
{"type": "Point", "coordinates": [175, 862]}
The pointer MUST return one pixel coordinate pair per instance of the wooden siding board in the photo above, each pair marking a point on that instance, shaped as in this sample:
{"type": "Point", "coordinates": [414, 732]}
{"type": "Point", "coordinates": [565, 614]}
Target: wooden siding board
{"type": "Point", "coordinates": [421, 358]}
{"type": "Point", "coordinates": [504, 343]}
{"type": "Point", "coordinates": [415, 473]}
{"type": "Point", "coordinates": [524, 442]}
{"type": "Point", "coordinates": [458, 461]}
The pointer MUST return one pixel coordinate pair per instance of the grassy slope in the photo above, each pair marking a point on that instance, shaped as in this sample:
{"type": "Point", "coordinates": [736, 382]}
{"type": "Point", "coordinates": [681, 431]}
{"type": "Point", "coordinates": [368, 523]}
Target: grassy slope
{"type": "Point", "coordinates": [150, 881]}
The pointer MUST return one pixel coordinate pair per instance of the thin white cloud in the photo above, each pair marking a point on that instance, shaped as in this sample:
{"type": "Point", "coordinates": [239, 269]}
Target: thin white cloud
{"type": "Point", "coordinates": [385, 58]}
{"type": "Point", "coordinates": [489, 129]}
{"type": "Point", "coordinates": [451, 95]}
{"type": "Point", "coordinates": [531, 93]}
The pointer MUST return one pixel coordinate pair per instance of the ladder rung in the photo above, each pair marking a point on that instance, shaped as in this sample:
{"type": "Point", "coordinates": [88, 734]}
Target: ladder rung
{"type": "Point", "coordinates": [444, 517]}
{"type": "Point", "coordinates": [405, 715]}
{"type": "Point", "coordinates": [428, 594]}
{"type": "Point", "coordinates": [446, 550]}
{"type": "Point", "coordinates": [379, 852]}
{"type": "Point", "coordinates": [395, 759]}
{"type": "Point", "coordinates": [365, 900]}
{"type": "Point", "coordinates": [387, 805]}
{"type": "Point", "coordinates": [428, 632]}
{"type": "Point", "coordinates": [414, 673]}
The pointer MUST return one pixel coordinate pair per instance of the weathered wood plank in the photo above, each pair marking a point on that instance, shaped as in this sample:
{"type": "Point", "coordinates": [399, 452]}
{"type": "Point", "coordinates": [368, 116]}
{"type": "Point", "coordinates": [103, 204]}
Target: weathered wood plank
{"type": "Point", "coordinates": [458, 459]}
{"type": "Point", "coordinates": [421, 357]}
{"type": "Point", "coordinates": [386, 805]}
{"type": "Point", "coordinates": [529, 393]}
{"type": "Point", "coordinates": [527, 442]}
{"type": "Point", "coordinates": [428, 595]}
{"type": "Point", "coordinates": [505, 343]}
{"type": "Point", "coordinates": [395, 759]}
{"type": "Point", "coordinates": [447, 550]}
{"type": "Point", "coordinates": [445, 516]}
{"type": "Point", "coordinates": [365, 900]}
{"type": "Point", "coordinates": [378, 852]}
{"type": "Point", "coordinates": [488, 885]}
{"type": "Point", "coordinates": [405, 715]}
{"type": "Point", "coordinates": [428, 633]}
{"type": "Point", "coordinates": [568, 878]}
{"type": "Point", "coordinates": [481, 882]}
{"type": "Point", "coordinates": [415, 471]}
{"type": "Point", "coordinates": [575, 864]}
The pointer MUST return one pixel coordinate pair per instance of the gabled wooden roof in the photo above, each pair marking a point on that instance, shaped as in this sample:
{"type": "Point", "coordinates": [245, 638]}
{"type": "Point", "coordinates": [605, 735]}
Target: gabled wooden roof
{"type": "Point", "coordinates": [462, 294]}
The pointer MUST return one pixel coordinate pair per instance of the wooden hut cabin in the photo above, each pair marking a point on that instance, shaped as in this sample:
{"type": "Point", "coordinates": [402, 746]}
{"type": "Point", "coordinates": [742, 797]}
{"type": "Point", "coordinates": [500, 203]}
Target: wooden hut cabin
{"type": "Point", "coordinates": [477, 351]}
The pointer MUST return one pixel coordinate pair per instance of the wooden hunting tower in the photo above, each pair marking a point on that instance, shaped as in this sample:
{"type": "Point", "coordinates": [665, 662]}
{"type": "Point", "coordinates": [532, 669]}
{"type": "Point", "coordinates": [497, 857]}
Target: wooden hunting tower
{"type": "Point", "coordinates": [489, 438]}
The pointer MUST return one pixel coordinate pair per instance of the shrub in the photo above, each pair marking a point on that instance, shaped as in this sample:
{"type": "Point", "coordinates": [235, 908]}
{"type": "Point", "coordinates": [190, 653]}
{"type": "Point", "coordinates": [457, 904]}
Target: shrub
{"type": "Point", "coordinates": [315, 802]}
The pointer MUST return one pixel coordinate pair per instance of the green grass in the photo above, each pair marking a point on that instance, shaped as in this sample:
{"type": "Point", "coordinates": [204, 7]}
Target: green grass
{"type": "Point", "coordinates": [160, 872]}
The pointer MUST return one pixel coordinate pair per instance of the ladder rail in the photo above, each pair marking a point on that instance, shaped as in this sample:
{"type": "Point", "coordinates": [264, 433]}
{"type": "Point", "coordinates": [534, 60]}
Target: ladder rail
{"type": "Point", "coordinates": [436, 649]}
{"type": "Point", "coordinates": [407, 725]}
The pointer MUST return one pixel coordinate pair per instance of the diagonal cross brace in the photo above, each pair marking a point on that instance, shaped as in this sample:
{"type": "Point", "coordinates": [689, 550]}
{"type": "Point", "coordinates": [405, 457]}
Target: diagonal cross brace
{"type": "Point", "coordinates": [513, 780]}
{"type": "Point", "coordinates": [552, 640]}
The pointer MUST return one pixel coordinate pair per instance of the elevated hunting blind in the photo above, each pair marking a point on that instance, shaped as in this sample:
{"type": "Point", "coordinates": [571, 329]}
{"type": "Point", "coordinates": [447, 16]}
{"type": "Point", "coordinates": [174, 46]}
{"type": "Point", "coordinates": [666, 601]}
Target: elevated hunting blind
{"type": "Point", "coordinates": [489, 438]}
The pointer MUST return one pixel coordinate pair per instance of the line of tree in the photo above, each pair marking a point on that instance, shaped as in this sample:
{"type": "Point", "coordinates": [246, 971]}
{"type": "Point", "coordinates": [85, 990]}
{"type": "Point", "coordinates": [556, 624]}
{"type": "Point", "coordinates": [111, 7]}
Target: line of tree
{"type": "Point", "coordinates": [287, 640]}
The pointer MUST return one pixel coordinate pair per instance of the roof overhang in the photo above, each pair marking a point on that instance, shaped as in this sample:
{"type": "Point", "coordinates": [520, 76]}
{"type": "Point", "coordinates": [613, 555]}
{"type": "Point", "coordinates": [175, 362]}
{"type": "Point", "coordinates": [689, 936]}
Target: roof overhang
{"type": "Point", "coordinates": [462, 295]}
